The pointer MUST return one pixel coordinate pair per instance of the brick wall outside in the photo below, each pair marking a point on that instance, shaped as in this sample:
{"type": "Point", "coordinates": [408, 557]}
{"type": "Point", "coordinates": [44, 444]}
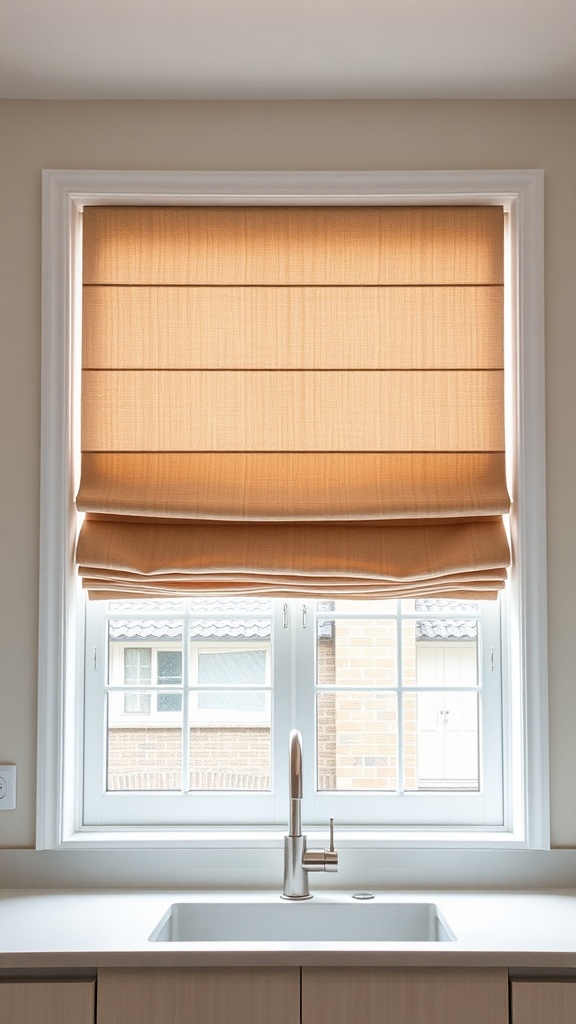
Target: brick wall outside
{"type": "Point", "coordinates": [326, 712]}
{"type": "Point", "coordinates": [365, 724]}
{"type": "Point", "coordinates": [221, 758]}
{"type": "Point", "coordinates": [410, 724]}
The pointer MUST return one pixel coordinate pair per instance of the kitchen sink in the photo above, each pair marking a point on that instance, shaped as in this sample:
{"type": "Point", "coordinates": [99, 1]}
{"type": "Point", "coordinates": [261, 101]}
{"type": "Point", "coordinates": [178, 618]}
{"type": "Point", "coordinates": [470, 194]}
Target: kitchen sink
{"type": "Point", "coordinates": [310, 921]}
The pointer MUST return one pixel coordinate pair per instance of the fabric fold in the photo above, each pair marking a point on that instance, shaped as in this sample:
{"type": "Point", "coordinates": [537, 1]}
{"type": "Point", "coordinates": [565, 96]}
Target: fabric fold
{"type": "Point", "coordinates": [269, 557]}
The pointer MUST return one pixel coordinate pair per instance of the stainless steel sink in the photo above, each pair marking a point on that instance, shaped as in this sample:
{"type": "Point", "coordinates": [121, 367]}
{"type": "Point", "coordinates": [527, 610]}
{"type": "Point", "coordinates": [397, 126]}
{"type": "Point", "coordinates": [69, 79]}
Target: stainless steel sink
{"type": "Point", "coordinates": [351, 921]}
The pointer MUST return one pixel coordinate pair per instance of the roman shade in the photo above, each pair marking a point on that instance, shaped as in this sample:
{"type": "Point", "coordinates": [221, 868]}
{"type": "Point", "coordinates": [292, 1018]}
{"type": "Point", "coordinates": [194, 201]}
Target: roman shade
{"type": "Point", "coordinates": [293, 400]}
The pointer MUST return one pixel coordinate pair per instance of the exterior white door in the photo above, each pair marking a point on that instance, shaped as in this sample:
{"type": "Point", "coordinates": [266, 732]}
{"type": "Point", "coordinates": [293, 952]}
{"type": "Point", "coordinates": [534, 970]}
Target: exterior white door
{"type": "Point", "coordinates": [447, 730]}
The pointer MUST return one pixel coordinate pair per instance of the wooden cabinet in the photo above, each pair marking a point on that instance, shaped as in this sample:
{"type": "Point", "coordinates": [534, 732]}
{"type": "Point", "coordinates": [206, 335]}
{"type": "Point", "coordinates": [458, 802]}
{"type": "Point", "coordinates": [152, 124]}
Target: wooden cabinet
{"type": "Point", "coordinates": [374, 995]}
{"type": "Point", "coordinates": [349, 995]}
{"type": "Point", "coordinates": [206, 995]}
{"type": "Point", "coordinates": [544, 1002]}
{"type": "Point", "coordinates": [290, 995]}
{"type": "Point", "coordinates": [47, 1001]}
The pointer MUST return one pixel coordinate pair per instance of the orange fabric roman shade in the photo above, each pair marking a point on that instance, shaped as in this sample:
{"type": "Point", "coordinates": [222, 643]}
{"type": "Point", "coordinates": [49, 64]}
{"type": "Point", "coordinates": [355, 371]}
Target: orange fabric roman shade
{"type": "Point", "coordinates": [293, 400]}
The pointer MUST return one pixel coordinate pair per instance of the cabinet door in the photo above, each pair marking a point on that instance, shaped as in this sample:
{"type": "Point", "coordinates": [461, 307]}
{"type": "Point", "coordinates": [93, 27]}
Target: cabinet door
{"type": "Point", "coordinates": [47, 1002]}
{"type": "Point", "coordinates": [210, 995]}
{"type": "Point", "coordinates": [544, 1002]}
{"type": "Point", "coordinates": [373, 995]}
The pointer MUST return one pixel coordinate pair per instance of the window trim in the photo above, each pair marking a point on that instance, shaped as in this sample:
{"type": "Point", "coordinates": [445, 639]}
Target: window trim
{"type": "Point", "coordinates": [61, 627]}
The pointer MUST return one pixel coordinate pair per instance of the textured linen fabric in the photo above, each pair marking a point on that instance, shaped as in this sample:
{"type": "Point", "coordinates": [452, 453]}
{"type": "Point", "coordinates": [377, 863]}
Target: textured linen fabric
{"type": "Point", "coordinates": [298, 389]}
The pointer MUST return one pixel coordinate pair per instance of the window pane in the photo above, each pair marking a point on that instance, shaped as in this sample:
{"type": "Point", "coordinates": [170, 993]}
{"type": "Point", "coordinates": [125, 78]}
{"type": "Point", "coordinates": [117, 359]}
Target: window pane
{"type": "Point", "coordinates": [233, 700]}
{"type": "Point", "coordinates": [368, 607]}
{"type": "Point", "coordinates": [146, 606]}
{"type": "Point", "coordinates": [149, 629]}
{"type": "Point", "coordinates": [231, 605]}
{"type": "Point", "coordinates": [137, 704]}
{"type": "Point", "coordinates": [440, 652]}
{"type": "Point", "coordinates": [143, 756]}
{"type": "Point", "coordinates": [357, 741]}
{"type": "Point", "coordinates": [230, 734]}
{"type": "Point", "coordinates": [232, 668]}
{"type": "Point", "coordinates": [169, 668]}
{"type": "Point", "coordinates": [356, 652]}
{"type": "Point", "coordinates": [143, 751]}
{"type": "Point", "coordinates": [441, 741]}
{"type": "Point", "coordinates": [169, 674]}
{"type": "Point", "coordinates": [439, 606]}
{"type": "Point", "coordinates": [137, 672]}
{"type": "Point", "coordinates": [169, 702]}
{"type": "Point", "coordinates": [233, 757]}
{"type": "Point", "coordinates": [137, 666]}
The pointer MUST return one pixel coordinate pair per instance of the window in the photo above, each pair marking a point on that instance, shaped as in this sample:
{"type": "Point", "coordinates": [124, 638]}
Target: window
{"type": "Point", "coordinates": [206, 707]}
{"type": "Point", "coordinates": [396, 699]}
{"type": "Point", "coordinates": [461, 753]}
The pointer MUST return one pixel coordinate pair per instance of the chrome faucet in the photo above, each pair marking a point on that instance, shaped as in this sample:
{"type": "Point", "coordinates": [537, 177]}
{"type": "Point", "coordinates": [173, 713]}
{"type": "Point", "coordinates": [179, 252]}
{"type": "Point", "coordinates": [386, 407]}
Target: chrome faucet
{"type": "Point", "coordinates": [298, 861]}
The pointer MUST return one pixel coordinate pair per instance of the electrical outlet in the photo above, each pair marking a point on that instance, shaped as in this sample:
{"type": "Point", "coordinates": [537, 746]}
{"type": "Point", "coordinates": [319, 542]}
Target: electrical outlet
{"type": "Point", "coordinates": [7, 787]}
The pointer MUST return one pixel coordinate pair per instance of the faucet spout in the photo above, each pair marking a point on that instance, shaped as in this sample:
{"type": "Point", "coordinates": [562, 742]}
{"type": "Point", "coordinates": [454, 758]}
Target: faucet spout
{"type": "Point", "coordinates": [295, 783]}
{"type": "Point", "coordinates": [298, 860]}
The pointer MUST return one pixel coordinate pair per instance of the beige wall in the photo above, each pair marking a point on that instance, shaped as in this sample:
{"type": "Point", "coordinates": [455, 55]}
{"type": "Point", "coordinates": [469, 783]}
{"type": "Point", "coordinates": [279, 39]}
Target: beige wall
{"type": "Point", "coordinates": [271, 135]}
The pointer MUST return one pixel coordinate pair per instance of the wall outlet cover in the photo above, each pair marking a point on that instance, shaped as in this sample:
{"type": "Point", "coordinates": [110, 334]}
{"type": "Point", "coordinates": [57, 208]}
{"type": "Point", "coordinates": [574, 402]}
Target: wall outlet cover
{"type": "Point", "coordinates": [7, 787]}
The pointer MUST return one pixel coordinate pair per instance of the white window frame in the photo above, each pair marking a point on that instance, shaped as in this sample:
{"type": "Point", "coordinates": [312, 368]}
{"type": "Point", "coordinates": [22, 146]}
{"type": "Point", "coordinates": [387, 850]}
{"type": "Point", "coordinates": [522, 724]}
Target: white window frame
{"type": "Point", "coordinates": [482, 810]}
{"type": "Point", "coordinates": [294, 626]}
{"type": "Point", "coordinates": [170, 808]}
{"type": "Point", "coordinates": [61, 639]}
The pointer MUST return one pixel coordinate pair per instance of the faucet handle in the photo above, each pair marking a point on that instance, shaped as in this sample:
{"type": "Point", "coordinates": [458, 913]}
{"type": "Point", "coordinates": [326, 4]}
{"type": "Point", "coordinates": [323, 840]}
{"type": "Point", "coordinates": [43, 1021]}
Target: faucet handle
{"type": "Point", "coordinates": [322, 860]}
{"type": "Point", "coordinates": [331, 855]}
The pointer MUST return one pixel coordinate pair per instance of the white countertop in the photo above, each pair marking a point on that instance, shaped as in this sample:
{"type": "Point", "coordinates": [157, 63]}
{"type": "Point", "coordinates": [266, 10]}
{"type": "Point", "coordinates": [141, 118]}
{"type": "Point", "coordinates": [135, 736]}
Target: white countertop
{"type": "Point", "coordinates": [47, 929]}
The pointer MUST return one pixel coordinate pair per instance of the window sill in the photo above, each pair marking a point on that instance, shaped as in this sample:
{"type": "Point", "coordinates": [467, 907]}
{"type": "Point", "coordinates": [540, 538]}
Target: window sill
{"type": "Point", "coordinates": [269, 839]}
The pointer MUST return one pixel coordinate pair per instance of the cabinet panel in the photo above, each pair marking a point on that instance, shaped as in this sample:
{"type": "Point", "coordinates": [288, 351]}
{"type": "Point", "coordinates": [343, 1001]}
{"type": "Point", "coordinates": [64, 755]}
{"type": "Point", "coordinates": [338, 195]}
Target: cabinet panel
{"type": "Point", "coordinates": [544, 1002]}
{"type": "Point", "coordinates": [372, 995]}
{"type": "Point", "coordinates": [210, 995]}
{"type": "Point", "coordinates": [47, 1002]}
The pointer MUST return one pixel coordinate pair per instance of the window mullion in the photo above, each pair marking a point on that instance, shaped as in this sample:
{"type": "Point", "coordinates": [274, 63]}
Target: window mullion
{"type": "Point", "coordinates": [303, 626]}
{"type": "Point", "coordinates": [283, 712]}
{"type": "Point", "coordinates": [400, 697]}
{"type": "Point", "coordinates": [490, 678]}
{"type": "Point", "coordinates": [95, 712]}
{"type": "Point", "coordinates": [186, 699]}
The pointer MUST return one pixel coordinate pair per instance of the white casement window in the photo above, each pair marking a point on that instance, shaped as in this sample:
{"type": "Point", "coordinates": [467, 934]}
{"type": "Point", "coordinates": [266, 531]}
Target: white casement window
{"type": "Point", "coordinates": [182, 691]}
{"type": "Point", "coordinates": [399, 703]}
{"type": "Point", "coordinates": [422, 721]}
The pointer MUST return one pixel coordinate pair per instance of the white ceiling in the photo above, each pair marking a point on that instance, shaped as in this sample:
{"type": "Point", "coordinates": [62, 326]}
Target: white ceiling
{"type": "Point", "coordinates": [287, 49]}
